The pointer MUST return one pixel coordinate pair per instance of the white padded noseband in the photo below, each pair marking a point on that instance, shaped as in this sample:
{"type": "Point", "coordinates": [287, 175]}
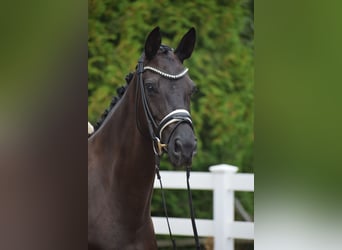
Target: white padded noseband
{"type": "Point", "coordinates": [176, 116]}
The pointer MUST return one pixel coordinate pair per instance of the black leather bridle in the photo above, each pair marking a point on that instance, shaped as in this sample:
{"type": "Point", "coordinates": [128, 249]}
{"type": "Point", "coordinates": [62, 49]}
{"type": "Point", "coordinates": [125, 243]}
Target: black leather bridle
{"type": "Point", "coordinates": [176, 117]}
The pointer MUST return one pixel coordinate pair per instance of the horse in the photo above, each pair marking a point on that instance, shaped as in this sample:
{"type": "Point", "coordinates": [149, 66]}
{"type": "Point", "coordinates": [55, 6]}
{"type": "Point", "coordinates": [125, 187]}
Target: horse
{"type": "Point", "coordinates": [151, 117]}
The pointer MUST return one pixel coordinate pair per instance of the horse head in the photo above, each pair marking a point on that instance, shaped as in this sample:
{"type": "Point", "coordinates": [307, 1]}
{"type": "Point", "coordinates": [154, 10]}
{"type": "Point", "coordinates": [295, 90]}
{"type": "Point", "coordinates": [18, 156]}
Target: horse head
{"type": "Point", "coordinates": [166, 91]}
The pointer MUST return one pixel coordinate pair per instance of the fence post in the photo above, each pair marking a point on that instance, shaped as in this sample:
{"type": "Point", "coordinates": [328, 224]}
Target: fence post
{"type": "Point", "coordinates": [223, 199]}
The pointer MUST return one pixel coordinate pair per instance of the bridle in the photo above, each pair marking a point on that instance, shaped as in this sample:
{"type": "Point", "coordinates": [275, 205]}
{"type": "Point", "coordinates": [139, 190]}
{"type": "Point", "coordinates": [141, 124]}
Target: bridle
{"type": "Point", "coordinates": [176, 117]}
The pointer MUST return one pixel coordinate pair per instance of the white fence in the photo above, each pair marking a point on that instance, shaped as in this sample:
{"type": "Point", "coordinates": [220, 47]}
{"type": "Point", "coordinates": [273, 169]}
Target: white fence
{"type": "Point", "coordinates": [223, 180]}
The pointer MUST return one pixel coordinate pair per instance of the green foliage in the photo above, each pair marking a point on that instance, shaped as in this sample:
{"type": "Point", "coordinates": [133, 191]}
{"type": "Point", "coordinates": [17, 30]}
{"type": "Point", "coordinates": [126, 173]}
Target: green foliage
{"type": "Point", "coordinates": [221, 66]}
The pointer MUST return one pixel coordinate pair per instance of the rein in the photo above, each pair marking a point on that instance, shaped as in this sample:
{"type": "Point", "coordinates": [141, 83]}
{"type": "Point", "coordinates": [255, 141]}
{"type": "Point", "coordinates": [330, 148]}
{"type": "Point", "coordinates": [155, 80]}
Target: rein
{"type": "Point", "coordinates": [177, 116]}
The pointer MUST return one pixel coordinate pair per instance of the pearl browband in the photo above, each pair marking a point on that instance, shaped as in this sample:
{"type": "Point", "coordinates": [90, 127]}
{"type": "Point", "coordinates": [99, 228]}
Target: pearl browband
{"type": "Point", "coordinates": [166, 74]}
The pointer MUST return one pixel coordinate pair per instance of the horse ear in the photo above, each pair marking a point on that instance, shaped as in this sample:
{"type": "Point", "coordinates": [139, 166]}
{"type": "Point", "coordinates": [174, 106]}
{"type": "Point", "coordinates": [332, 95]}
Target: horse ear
{"type": "Point", "coordinates": [152, 43]}
{"type": "Point", "coordinates": [186, 45]}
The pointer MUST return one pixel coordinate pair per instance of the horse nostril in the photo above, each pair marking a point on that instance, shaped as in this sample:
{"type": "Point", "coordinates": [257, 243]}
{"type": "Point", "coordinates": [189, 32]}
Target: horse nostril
{"type": "Point", "coordinates": [178, 146]}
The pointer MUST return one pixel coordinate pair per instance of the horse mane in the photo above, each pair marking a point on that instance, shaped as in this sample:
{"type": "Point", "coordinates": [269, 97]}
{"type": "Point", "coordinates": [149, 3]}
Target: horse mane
{"type": "Point", "coordinates": [120, 92]}
{"type": "Point", "coordinates": [164, 48]}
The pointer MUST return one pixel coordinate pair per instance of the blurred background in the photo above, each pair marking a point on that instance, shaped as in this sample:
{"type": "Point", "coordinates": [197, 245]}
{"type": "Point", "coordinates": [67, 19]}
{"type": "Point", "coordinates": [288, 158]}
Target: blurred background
{"type": "Point", "coordinates": [222, 67]}
{"type": "Point", "coordinates": [44, 101]}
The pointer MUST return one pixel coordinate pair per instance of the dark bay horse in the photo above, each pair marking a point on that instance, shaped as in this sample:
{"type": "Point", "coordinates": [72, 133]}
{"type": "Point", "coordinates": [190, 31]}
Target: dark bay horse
{"type": "Point", "coordinates": [152, 116]}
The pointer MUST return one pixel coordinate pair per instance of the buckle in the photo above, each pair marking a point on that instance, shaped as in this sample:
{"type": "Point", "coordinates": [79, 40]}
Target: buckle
{"type": "Point", "coordinates": [160, 146]}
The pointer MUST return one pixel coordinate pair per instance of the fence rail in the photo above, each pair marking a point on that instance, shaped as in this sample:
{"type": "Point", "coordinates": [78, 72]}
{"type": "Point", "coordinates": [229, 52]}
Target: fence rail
{"type": "Point", "coordinates": [223, 180]}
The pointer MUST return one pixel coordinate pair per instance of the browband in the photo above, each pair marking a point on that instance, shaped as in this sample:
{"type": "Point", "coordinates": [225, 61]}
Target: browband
{"type": "Point", "coordinates": [166, 74]}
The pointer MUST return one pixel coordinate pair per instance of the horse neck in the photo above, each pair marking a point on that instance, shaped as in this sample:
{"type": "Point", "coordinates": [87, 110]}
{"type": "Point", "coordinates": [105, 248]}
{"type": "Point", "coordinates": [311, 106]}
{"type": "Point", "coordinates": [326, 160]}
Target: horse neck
{"type": "Point", "coordinates": [130, 163]}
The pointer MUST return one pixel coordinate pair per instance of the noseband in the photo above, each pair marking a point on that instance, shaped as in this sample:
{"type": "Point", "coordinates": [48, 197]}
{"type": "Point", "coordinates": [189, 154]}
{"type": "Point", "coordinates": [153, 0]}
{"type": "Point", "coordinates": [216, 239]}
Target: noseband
{"type": "Point", "coordinates": [177, 116]}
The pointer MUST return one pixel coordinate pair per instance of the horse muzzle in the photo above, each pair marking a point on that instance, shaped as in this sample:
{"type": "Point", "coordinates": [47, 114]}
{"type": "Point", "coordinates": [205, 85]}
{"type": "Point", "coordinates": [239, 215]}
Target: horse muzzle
{"type": "Point", "coordinates": [182, 146]}
{"type": "Point", "coordinates": [181, 142]}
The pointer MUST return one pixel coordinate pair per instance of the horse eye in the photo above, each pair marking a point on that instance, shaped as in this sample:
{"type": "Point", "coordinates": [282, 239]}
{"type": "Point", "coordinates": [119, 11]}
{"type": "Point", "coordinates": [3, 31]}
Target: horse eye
{"type": "Point", "coordinates": [151, 87]}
